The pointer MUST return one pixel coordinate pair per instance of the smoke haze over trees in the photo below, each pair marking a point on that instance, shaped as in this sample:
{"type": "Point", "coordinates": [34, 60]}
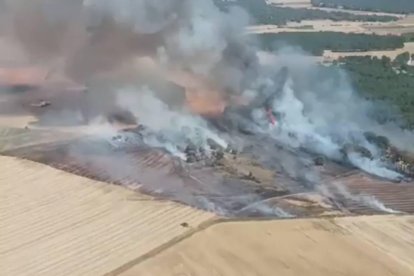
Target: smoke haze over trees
{"type": "Point", "coordinates": [316, 42]}
{"type": "Point", "coordinates": [384, 80]}
{"type": "Point", "coordinates": [263, 13]}
{"type": "Point", "coordinates": [393, 6]}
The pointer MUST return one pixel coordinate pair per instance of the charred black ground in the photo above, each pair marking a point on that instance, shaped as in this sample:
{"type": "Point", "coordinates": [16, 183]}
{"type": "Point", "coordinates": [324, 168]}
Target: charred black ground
{"type": "Point", "coordinates": [257, 181]}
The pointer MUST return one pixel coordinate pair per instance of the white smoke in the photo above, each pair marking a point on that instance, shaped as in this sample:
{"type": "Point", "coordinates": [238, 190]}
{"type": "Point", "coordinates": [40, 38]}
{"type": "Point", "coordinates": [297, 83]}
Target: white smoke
{"type": "Point", "coordinates": [178, 127]}
{"type": "Point", "coordinates": [375, 166]}
{"type": "Point", "coordinates": [144, 16]}
{"type": "Point", "coordinates": [267, 209]}
{"type": "Point", "coordinates": [367, 200]}
{"type": "Point", "coordinates": [306, 133]}
{"type": "Point", "coordinates": [320, 112]}
{"type": "Point", "coordinates": [194, 33]}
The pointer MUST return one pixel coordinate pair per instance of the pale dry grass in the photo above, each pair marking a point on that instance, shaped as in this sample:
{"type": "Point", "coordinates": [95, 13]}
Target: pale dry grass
{"type": "Point", "coordinates": [315, 26]}
{"type": "Point", "coordinates": [291, 3]}
{"type": "Point", "coordinates": [391, 235]}
{"type": "Point", "coordinates": [293, 247]}
{"type": "Point", "coordinates": [379, 28]}
{"type": "Point", "coordinates": [16, 121]}
{"type": "Point", "coordinates": [408, 20]}
{"type": "Point", "coordinates": [402, 26]}
{"type": "Point", "coordinates": [55, 223]}
{"type": "Point", "coordinates": [405, 24]}
{"type": "Point", "coordinates": [287, 2]}
{"type": "Point", "coordinates": [13, 137]}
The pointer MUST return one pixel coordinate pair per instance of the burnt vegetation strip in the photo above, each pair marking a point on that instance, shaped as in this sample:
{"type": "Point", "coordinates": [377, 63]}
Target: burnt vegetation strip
{"type": "Point", "coordinates": [228, 197]}
{"type": "Point", "coordinates": [151, 172]}
{"type": "Point", "coordinates": [209, 187]}
{"type": "Point", "coordinates": [397, 196]}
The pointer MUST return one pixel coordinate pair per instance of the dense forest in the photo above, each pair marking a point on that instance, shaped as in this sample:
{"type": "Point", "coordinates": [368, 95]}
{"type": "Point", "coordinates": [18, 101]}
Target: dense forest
{"type": "Point", "coordinates": [316, 42]}
{"type": "Point", "coordinates": [384, 80]}
{"type": "Point", "coordinates": [395, 6]}
{"type": "Point", "coordinates": [268, 14]}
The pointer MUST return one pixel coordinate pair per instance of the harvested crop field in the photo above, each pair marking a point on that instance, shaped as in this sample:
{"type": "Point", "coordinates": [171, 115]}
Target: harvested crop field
{"type": "Point", "coordinates": [402, 26]}
{"type": "Point", "coordinates": [16, 121]}
{"type": "Point", "coordinates": [320, 26]}
{"type": "Point", "coordinates": [396, 196]}
{"type": "Point", "coordinates": [379, 28]}
{"type": "Point", "coordinates": [342, 246]}
{"type": "Point", "coordinates": [55, 223]}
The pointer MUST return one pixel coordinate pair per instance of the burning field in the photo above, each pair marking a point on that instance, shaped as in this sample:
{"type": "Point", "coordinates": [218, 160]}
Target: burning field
{"type": "Point", "coordinates": [184, 108]}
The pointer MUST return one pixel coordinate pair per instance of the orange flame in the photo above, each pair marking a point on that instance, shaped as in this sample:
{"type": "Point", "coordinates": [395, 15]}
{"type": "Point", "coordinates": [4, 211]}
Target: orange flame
{"type": "Point", "coordinates": [202, 97]}
{"type": "Point", "coordinates": [204, 102]}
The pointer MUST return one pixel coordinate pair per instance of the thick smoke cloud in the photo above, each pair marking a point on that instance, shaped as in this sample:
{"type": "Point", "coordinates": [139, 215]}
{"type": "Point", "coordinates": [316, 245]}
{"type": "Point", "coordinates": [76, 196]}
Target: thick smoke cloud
{"type": "Point", "coordinates": [43, 27]}
{"type": "Point", "coordinates": [94, 36]}
{"type": "Point", "coordinates": [317, 109]}
{"type": "Point", "coordinates": [171, 130]}
{"type": "Point", "coordinates": [320, 112]}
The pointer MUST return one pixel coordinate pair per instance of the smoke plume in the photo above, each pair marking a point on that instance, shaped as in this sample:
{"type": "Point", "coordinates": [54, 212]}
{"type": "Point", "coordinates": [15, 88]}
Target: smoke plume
{"type": "Point", "coordinates": [169, 129]}
{"type": "Point", "coordinates": [319, 111]}
{"type": "Point", "coordinates": [315, 107]}
{"type": "Point", "coordinates": [364, 199]}
{"type": "Point", "coordinates": [92, 36]}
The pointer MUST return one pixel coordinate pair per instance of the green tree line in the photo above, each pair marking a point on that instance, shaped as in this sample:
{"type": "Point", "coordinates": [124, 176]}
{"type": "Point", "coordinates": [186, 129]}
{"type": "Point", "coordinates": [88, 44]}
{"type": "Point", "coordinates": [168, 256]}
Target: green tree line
{"type": "Point", "coordinates": [316, 42]}
{"type": "Point", "coordinates": [394, 6]}
{"type": "Point", "coordinates": [384, 80]}
{"type": "Point", "coordinates": [263, 13]}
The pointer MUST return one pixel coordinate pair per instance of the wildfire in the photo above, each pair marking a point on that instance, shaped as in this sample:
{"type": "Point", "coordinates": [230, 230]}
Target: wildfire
{"type": "Point", "coordinates": [201, 96]}
{"type": "Point", "coordinates": [203, 103]}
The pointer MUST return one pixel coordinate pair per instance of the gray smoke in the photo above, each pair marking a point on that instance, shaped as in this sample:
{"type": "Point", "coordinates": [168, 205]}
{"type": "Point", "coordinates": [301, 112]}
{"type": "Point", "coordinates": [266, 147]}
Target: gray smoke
{"type": "Point", "coordinates": [318, 109]}
{"type": "Point", "coordinates": [367, 200]}
{"type": "Point", "coordinates": [88, 40]}
{"type": "Point", "coordinates": [95, 36]}
{"type": "Point", "coordinates": [375, 166]}
{"type": "Point", "coordinates": [178, 128]}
